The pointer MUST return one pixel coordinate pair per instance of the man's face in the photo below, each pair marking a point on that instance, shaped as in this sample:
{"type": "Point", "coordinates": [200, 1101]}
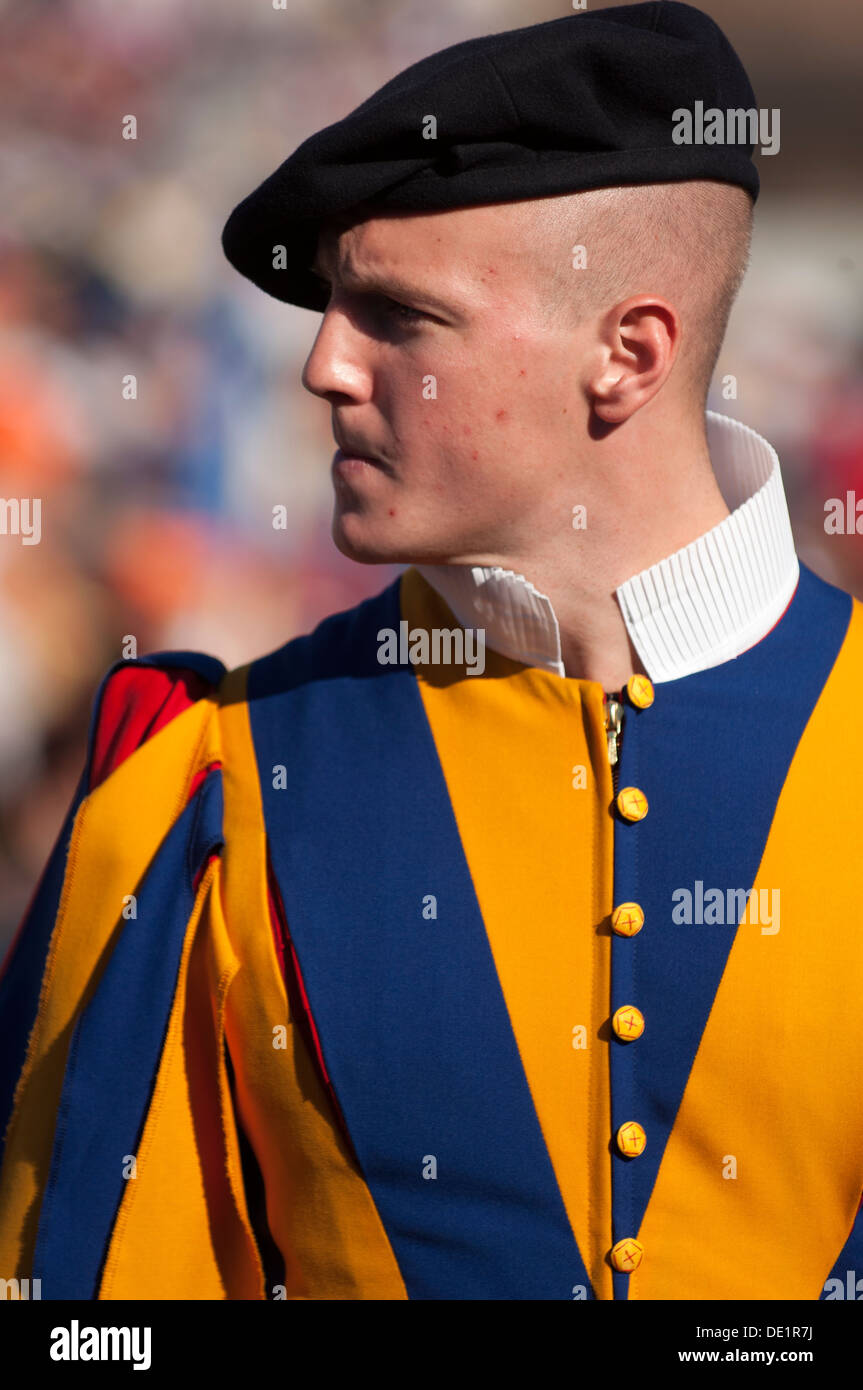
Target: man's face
{"type": "Point", "coordinates": [436, 357]}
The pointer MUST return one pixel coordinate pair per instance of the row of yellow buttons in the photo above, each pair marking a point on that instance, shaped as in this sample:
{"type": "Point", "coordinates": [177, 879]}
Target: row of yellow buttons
{"type": "Point", "coordinates": [627, 919]}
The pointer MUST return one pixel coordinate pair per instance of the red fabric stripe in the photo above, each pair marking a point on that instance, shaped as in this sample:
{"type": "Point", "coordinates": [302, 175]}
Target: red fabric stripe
{"type": "Point", "coordinates": [136, 703]}
{"type": "Point", "coordinates": [203, 869]}
{"type": "Point", "coordinates": [199, 777]}
{"type": "Point", "coordinates": [297, 997]}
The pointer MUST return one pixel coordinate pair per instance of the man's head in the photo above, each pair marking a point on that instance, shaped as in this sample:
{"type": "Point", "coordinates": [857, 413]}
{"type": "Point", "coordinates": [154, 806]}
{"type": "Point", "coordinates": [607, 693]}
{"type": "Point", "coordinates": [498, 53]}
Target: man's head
{"type": "Point", "coordinates": [524, 382]}
{"type": "Point", "coordinates": [477, 353]}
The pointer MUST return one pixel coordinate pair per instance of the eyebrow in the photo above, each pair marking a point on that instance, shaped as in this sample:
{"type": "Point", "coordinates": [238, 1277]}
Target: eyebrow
{"type": "Point", "coordinates": [388, 285]}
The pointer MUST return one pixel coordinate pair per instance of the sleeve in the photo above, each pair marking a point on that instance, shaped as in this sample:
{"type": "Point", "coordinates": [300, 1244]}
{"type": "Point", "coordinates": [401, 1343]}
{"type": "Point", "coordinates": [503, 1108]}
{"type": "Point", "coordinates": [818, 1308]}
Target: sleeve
{"type": "Point", "coordinates": [92, 988]}
{"type": "Point", "coordinates": [133, 702]}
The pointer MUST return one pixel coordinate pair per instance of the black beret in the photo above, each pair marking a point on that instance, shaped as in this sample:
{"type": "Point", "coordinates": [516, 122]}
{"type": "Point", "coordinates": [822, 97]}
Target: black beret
{"type": "Point", "coordinates": [585, 101]}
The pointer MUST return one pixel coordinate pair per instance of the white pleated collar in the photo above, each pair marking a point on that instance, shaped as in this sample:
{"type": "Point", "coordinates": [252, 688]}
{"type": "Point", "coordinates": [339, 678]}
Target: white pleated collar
{"type": "Point", "coordinates": [701, 606]}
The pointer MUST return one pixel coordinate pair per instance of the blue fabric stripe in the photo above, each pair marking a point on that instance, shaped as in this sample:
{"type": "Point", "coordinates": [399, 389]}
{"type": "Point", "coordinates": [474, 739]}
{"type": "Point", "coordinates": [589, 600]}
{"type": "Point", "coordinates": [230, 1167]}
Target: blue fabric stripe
{"type": "Point", "coordinates": [21, 981]}
{"type": "Point", "coordinates": [848, 1268]}
{"type": "Point", "coordinates": [114, 1057]}
{"type": "Point", "coordinates": [728, 735]}
{"type": "Point", "coordinates": [413, 1023]}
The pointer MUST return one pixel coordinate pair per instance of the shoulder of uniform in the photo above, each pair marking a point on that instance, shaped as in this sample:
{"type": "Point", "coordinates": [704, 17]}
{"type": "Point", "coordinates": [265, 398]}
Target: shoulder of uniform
{"type": "Point", "coordinates": [345, 643]}
{"type": "Point", "coordinates": [138, 697]}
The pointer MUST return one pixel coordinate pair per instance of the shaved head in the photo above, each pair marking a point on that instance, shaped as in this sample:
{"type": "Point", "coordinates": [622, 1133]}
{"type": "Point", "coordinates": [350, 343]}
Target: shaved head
{"type": "Point", "coordinates": [688, 242]}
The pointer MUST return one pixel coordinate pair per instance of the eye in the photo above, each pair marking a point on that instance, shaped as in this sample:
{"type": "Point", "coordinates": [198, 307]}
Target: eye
{"type": "Point", "coordinates": [377, 303]}
{"type": "Point", "coordinates": [403, 312]}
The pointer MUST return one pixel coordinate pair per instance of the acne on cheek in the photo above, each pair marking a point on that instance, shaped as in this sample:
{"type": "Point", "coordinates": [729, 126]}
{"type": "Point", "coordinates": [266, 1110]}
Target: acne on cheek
{"type": "Point", "coordinates": [466, 429]}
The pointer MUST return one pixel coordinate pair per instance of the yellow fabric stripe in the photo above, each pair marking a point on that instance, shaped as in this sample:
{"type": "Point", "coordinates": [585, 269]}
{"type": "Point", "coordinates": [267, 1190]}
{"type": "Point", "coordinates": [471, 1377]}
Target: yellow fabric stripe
{"type": "Point", "coordinates": [777, 1082]}
{"type": "Point", "coordinates": [540, 856]}
{"type": "Point", "coordinates": [183, 1229]}
{"type": "Point", "coordinates": [142, 797]}
{"type": "Point", "coordinates": [320, 1209]}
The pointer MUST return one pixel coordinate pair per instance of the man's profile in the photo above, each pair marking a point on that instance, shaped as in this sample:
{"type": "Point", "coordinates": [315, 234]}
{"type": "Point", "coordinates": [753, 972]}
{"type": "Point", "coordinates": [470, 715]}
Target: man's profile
{"type": "Point", "coordinates": [373, 971]}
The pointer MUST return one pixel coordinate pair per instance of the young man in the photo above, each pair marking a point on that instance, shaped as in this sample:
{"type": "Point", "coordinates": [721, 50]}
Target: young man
{"type": "Point", "coordinates": [496, 940]}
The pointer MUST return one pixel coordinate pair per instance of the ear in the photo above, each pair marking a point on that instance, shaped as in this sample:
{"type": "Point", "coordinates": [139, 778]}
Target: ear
{"type": "Point", "coordinates": [640, 339]}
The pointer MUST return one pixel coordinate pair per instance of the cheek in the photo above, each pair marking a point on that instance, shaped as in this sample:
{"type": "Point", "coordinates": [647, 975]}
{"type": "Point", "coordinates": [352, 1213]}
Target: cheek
{"type": "Point", "coordinates": [455, 420]}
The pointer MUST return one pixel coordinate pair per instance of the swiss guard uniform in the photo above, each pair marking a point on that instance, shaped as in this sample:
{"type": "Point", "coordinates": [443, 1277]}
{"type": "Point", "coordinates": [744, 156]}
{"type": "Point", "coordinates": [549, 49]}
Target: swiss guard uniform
{"type": "Point", "coordinates": [351, 979]}
{"type": "Point", "coordinates": [418, 939]}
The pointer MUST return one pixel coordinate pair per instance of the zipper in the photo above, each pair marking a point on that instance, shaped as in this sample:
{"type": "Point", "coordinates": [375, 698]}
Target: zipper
{"type": "Point", "coordinates": [614, 732]}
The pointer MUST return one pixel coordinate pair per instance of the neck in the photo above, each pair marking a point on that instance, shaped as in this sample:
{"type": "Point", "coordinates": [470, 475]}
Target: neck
{"type": "Point", "coordinates": [644, 506]}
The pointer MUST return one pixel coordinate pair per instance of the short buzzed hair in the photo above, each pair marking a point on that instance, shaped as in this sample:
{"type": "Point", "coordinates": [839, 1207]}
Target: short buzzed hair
{"type": "Point", "coordinates": [688, 242]}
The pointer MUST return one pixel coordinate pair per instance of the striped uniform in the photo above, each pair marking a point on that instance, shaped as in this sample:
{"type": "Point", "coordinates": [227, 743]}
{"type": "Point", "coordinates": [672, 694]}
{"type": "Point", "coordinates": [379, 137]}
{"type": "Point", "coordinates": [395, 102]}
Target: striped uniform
{"type": "Point", "coordinates": [314, 999]}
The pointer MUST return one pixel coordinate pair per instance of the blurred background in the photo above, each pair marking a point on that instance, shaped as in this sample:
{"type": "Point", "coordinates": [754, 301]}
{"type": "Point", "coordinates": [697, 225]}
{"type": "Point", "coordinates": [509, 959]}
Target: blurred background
{"type": "Point", "coordinates": [157, 513]}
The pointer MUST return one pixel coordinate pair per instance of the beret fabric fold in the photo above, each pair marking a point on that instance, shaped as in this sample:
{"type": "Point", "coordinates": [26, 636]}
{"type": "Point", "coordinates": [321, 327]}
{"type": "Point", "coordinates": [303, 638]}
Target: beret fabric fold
{"type": "Point", "coordinates": [586, 101]}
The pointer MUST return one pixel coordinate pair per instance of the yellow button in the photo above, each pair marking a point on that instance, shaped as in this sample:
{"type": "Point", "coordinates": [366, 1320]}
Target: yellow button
{"type": "Point", "coordinates": [640, 691]}
{"type": "Point", "coordinates": [631, 1139]}
{"type": "Point", "coordinates": [626, 1255]}
{"type": "Point", "coordinates": [628, 1022]}
{"type": "Point", "coordinates": [627, 919]}
{"type": "Point", "coordinates": [632, 803]}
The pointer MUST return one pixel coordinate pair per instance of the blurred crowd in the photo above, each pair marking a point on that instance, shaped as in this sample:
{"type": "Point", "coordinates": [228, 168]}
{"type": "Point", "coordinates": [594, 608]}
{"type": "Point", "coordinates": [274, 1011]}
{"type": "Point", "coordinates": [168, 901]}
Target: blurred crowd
{"type": "Point", "coordinates": [157, 506]}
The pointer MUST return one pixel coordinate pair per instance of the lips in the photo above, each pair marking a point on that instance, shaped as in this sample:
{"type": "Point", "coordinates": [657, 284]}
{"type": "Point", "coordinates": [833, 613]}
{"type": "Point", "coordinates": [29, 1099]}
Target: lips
{"type": "Point", "coordinates": [352, 466]}
{"type": "Point", "coordinates": [355, 451]}
{"type": "Point", "coordinates": [352, 456]}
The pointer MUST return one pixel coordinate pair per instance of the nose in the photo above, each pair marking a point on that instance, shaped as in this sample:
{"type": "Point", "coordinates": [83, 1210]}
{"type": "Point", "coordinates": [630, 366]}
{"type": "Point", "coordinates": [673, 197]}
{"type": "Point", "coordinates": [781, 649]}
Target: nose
{"type": "Point", "coordinates": [335, 367]}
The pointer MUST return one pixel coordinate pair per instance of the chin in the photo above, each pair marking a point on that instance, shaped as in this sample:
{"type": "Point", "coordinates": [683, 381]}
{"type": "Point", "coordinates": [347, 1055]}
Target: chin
{"type": "Point", "coordinates": [358, 540]}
